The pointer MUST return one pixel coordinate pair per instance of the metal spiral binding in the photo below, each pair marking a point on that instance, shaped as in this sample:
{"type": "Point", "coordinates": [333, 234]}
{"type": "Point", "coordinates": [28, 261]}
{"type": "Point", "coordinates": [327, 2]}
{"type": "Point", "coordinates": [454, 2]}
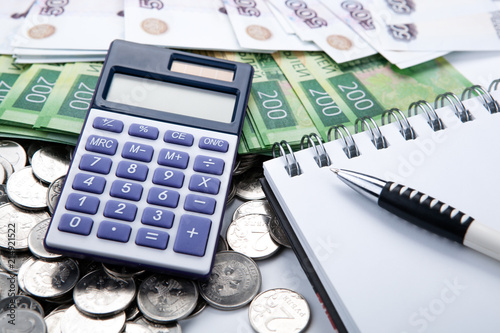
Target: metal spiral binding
{"type": "Point", "coordinates": [494, 85]}
{"type": "Point", "coordinates": [321, 156]}
{"type": "Point", "coordinates": [292, 167]}
{"type": "Point", "coordinates": [462, 113]}
{"type": "Point", "coordinates": [350, 148]}
{"type": "Point", "coordinates": [488, 101]}
{"type": "Point", "coordinates": [432, 118]}
{"type": "Point", "coordinates": [405, 128]}
{"type": "Point", "coordinates": [377, 138]}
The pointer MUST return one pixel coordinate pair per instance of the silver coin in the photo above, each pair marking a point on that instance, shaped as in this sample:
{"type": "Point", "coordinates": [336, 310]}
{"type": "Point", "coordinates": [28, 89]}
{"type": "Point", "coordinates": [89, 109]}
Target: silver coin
{"type": "Point", "coordinates": [53, 321]}
{"type": "Point", "coordinates": [100, 294]}
{"type": "Point", "coordinates": [54, 193]}
{"type": "Point", "coordinates": [277, 233]}
{"type": "Point", "coordinates": [250, 235]}
{"type": "Point", "coordinates": [14, 153]}
{"type": "Point", "coordinates": [7, 166]}
{"type": "Point", "coordinates": [163, 298]}
{"type": "Point", "coordinates": [23, 321]}
{"type": "Point", "coordinates": [25, 191]}
{"type": "Point", "coordinates": [172, 327]}
{"type": "Point", "coordinates": [22, 272]}
{"type": "Point", "coordinates": [74, 321]}
{"type": "Point", "coordinates": [279, 310]}
{"type": "Point", "coordinates": [249, 188]}
{"type": "Point", "coordinates": [15, 226]}
{"type": "Point", "coordinates": [233, 283]}
{"type": "Point", "coordinates": [136, 328]}
{"type": "Point", "coordinates": [35, 241]}
{"type": "Point", "coordinates": [11, 261]}
{"type": "Point", "coordinates": [201, 304]}
{"type": "Point", "coordinates": [8, 285]}
{"type": "Point", "coordinates": [50, 279]}
{"type": "Point", "coordinates": [253, 207]}
{"type": "Point", "coordinates": [50, 163]}
{"type": "Point", "coordinates": [20, 302]}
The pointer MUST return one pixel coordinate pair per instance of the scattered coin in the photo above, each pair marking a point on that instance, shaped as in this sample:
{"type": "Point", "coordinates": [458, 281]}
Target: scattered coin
{"type": "Point", "coordinates": [277, 233]}
{"type": "Point", "coordinates": [25, 191]}
{"type": "Point", "coordinates": [235, 280]}
{"type": "Point", "coordinates": [222, 244]}
{"type": "Point", "coordinates": [50, 163]}
{"type": "Point", "coordinates": [49, 279]}
{"type": "Point", "coordinates": [249, 235]}
{"type": "Point", "coordinates": [249, 188]}
{"type": "Point", "coordinates": [21, 273]}
{"type": "Point", "coordinates": [159, 292]}
{"type": "Point", "coordinates": [74, 321]}
{"type": "Point", "coordinates": [15, 226]}
{"type": "Point", "coordinates": [253, 207]}
{"type": "Point", "coordinates": [54, 192]}
{"type": "Point", "coordinates": [14, 153]}
{"type": "Point", "coordinates": [24, 321]}
{"type": "Point", "coordinates": [122, 271]}
{"type": "Point", "coordinates": [279, 310]}
{"type": "Point", "coordinates": [35, 241]}
{"type": "Point", "coordinates": [100, 294]}
{"type": "Point", "coordinates": [4, 198]}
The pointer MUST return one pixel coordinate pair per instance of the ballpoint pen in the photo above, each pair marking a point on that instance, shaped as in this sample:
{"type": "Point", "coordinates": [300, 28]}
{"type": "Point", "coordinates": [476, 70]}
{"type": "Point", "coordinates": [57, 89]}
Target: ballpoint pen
{"type": "Point", "coordinates": [425, 211]}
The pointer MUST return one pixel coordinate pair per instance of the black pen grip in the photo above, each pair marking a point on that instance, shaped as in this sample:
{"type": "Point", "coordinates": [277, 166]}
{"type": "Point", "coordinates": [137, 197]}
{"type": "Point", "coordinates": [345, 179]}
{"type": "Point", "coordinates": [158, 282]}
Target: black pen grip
{"type": "Point", "coordinates": [425, 211]}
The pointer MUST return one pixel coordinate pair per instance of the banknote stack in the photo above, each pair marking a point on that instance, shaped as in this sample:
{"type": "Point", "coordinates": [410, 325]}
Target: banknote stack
{"type": "Point", "coordinates": [293, 94]}
{"type": "Point", "coordinates": [406, 34]}
{"type": "Point", "coordinates": [44, 292]}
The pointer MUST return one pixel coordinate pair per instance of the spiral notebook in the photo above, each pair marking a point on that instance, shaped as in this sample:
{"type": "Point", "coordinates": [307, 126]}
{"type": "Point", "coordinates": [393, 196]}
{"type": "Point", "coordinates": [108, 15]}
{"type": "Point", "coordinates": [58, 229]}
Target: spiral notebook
{"type": "Point", "coordinates": [373, 271]}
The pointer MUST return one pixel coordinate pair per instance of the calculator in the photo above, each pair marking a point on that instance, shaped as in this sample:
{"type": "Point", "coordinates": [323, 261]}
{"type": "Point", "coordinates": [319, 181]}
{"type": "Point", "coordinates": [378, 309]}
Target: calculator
{"type": "Point", "coordinates": [150, 174]}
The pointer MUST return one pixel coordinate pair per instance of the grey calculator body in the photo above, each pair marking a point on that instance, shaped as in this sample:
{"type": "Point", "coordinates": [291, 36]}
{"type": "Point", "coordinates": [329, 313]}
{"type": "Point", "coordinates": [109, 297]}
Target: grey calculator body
{"type": "Point", "coordinates": [150, 175]}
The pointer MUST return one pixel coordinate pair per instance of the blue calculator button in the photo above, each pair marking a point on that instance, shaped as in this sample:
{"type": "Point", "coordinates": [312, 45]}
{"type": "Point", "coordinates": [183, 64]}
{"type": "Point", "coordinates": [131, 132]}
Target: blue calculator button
{"type": "Point", "coordinates": [167, 177]}
{"type": "Point", "coordinates": [94, 163]}
{"type": "Point", "coordinates": [192, 235]}
{"type": "Point", "coordinates": [208, 164]}
{"type": "Point", "coordinates": [199, 204]}
{"type": "Point", "coordinates": [173, 158]}
{"type": "Point", "coordinates": [143, 131]}
{"type": "Point", "coordinates": [82, 203]}
{"type": "Point", "coordinates": [158, 217]}
{"type": "Point", "coordinates": [163, 197]}
{"type": "Point", "coordinates": [89, 183]}
{"type": "Point", "coordinates": [179, 138]}
{"type": "Point", "coordinates": [137, 151]}
{"type": "Point", "coordinates": [204, 184]}
{"type": "Point", "coordinates": [132, 170]}
{"type": "Point", "coordinates": [126, 190]}
{"type": "Point", "coordinates": [120, 210]}
{"type": "Point", "coordinates": [101, 144]}
{"type": "Point", "coordinates": [114, 231]}
{"type": "Point", "coordinates": [213, 144]}
{"type": "Point", "coordinates": [108, 124]}
{"type": "Point", "coordinates": [152, 238]}
{"type": "Point", "coordinates": [81, 225]}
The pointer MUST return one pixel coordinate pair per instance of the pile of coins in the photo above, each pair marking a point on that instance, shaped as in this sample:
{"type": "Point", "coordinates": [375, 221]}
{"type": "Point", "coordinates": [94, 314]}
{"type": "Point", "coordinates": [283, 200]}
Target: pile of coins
{"type": "Point", "coordinates": [47, 292]}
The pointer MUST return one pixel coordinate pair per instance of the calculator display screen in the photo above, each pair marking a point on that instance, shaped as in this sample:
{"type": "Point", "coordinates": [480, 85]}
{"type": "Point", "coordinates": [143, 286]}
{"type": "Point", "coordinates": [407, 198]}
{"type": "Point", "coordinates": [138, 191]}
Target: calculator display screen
{"type": "Point", "coordinates": [171, 97]}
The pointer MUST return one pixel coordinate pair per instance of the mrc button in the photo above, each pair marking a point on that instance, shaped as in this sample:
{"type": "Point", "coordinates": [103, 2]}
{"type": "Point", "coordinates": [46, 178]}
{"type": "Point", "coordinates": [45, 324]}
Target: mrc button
{"type": "Point", "coordinates": [213, 144]}
{"type": "Point", "coordinates": [101, 144]}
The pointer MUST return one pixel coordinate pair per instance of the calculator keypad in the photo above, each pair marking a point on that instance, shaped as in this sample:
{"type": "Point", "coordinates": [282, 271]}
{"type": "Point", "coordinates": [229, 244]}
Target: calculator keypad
{"type": "Point", "coordinates": [150, 185]}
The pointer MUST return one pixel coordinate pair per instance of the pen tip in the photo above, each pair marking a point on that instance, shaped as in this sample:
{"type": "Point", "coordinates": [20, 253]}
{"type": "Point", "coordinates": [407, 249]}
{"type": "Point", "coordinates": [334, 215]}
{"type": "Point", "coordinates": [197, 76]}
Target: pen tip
{"type": "Point", "coordinates": [335, 170]}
